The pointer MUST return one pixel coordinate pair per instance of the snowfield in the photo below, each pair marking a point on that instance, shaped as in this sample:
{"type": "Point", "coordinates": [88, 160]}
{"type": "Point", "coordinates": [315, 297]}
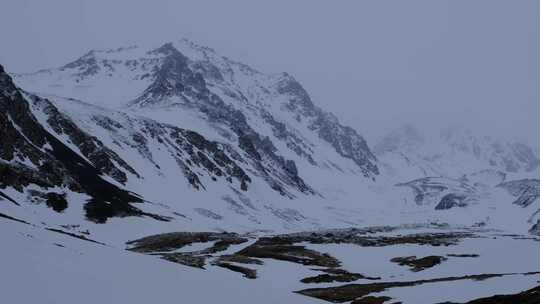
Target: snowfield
{"type": "Point", "coordinates": [61, 269]}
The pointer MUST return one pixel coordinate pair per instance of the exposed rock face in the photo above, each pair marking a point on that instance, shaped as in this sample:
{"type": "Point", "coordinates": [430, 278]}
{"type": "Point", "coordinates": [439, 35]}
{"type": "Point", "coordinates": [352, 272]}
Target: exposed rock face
{"type": "Point", "coordinates": [444, 193]}
{"type": "Point", "coordinates": [175, 78]}
{"type": "Point", "coordinates": [535, 229]}
{"type": "Point", "coordinates": [30, 155]}
{"type": "Point", "coordinates": [419, 264]}
{"type": "Point", "coordinates": [94, 150]}
{"type": "Point", "coordinates": [259, 120]}
{"type": "Point", "coordinates": [343, 139]}
{"type": "Point", "coordinates": [530, 296]}
{"type": "Point", "coordinates": [24, 139]}
{"type": "Point", "coordinates": [451, 200]}
{"type": "Point", "coordinates": [526, 191]}
{"type": "Point", "coordinates": [85, 66]}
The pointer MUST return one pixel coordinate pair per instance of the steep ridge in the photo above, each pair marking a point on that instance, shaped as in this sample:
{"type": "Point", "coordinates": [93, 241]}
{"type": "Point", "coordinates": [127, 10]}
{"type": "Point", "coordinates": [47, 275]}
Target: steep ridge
{"type": "Point", "coordinates": [185, 77]}
{"type": "Point", "coordinates": [201, 139]}
{"type": "Point", "coordinates": [33, 156]}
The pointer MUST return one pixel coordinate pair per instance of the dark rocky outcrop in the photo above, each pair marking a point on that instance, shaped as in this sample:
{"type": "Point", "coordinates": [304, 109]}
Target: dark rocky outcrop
{"type": "Point", "coordinates": [444, 193]}
{"type": "Point", "coordinates": [176, 78]}
{"type": "Point", "coordinates": [531, 296]}
{"type": "Point", "coordinates": [526, 191]}
{"type": "Point", "coordinates": [464, 255]}
{"type": "Point", "coordinates": [451, 200]}
{"type": "Point", "coordinates": [166, 246]}
{"type": "Point", "coordinates": [84, 66]}
{"type": "Point", "coordinates": [93, 149]}
{"type": "Point", "coordinates": [535, 229]}
{"type": "Point", "coordinates": [345, 140]}
{"type": "Point", "coordinates": [419, 264]}
{"type": "Point", "coordinates": [176, 240]}
{"type": "Point", "coordinates": [278, 249]}
{"type": "Point", "coordinates": [210, 155]}
{"type": "Point", "coordinates": [57, 201]}
{"type": "Point", "coordinates": [360, 237]}
{"type": "Point", "coordinates": [335, 275]}
{"type": "Point", "coordinates": [247, 272]}
{"type": "Point", "coordinates": [54, 164]}
{"type": "Point", "coordinates": [359, 292]}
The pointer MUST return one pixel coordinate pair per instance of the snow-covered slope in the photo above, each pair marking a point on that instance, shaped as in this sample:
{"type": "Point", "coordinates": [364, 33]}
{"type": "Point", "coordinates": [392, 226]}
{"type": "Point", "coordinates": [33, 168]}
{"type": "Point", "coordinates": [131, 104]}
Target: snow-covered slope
{"type": "Point", "coordinates": [182, 82]}
{"type": "Point", "coordinates": [45, 266]}
{"type": "Point", "coordinates": [41, 266]}
{"type": "Point", "coordinates": [456, 167]}
{"type": "Point", "coordinates": [125, 143]}
{"type": "Point", "coordinates": [452, 152]}
{"type": "Point", "coordinates": [205, 141]}
{"type": "Point", "coordinates": [201, 141]}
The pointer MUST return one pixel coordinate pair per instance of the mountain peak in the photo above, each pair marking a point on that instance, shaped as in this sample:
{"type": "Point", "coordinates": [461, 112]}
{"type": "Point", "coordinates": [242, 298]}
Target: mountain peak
{"type": "Point", "coordinates": [7, 87]}
{"type": "Point", "coordinates": [191, 44]}
{"type": "Point", "coordinates": [232, 96]}
{"type": "Point", "coordinates": [167, 49]}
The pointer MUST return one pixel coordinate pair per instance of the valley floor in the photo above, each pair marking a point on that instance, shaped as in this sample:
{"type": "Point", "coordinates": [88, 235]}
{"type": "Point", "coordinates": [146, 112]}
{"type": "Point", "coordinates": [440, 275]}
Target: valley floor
{"type": "Point", "coordinates": [407, 264]}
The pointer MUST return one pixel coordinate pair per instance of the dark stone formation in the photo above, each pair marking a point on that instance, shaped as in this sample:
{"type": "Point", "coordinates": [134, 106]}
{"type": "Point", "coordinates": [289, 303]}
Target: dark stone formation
{"type": "Point", "coordinates": [335, 275]}
{"type": "Point", "coordinates": [359, 292]}
{"type": "Point", "coordinates": [57, 201]}
{"type": "Point", "coordinates": [247, 272]}
{"type": "Point", "coordinates": [450, 201]}
{"type": "Point", "coordinates": [94, 150]}
{"type": "Point", "coordinates": [176, 78]}
{"type": "Point", "coordinates": [345, 140]}
{"type": "Point", "coordinates": [85, 66]}
{"type": "Point", "coordinates": [531, 296]}
{"type": "Point", "coordinates": [525, 190]}
{"type": "Point", "coordinates": [535, 229]}
{"type": "Point", "coordinates": [419, 264]}
{"type": "Point", "coordinates": [56, 164]}
{"type": "Point", "coordinates": [275, 248]}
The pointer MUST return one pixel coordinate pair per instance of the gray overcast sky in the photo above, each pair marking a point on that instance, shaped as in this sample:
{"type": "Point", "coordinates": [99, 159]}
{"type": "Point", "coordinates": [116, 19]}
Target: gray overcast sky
{"type": "Point", "coordinates": [376, 64]}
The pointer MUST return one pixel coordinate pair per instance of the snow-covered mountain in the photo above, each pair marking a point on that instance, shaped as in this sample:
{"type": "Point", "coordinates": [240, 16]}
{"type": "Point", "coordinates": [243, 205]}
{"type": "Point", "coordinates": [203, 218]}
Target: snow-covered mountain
{"type": "Point", "coordinates": [121, 146]}
{"type": "Point", "coordinates": [194, 138]}
{"type": "Point", "coordinates": [453, 152]}
{"type": "Point", "coordinates": [456, 167]}
{"type": "Point", "coordinates": [199, 139]}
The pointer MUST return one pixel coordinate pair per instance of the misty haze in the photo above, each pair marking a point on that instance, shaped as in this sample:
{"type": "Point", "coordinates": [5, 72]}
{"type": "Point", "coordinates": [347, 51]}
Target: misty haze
{"type": "Point", "coordinates": [361, 152]}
